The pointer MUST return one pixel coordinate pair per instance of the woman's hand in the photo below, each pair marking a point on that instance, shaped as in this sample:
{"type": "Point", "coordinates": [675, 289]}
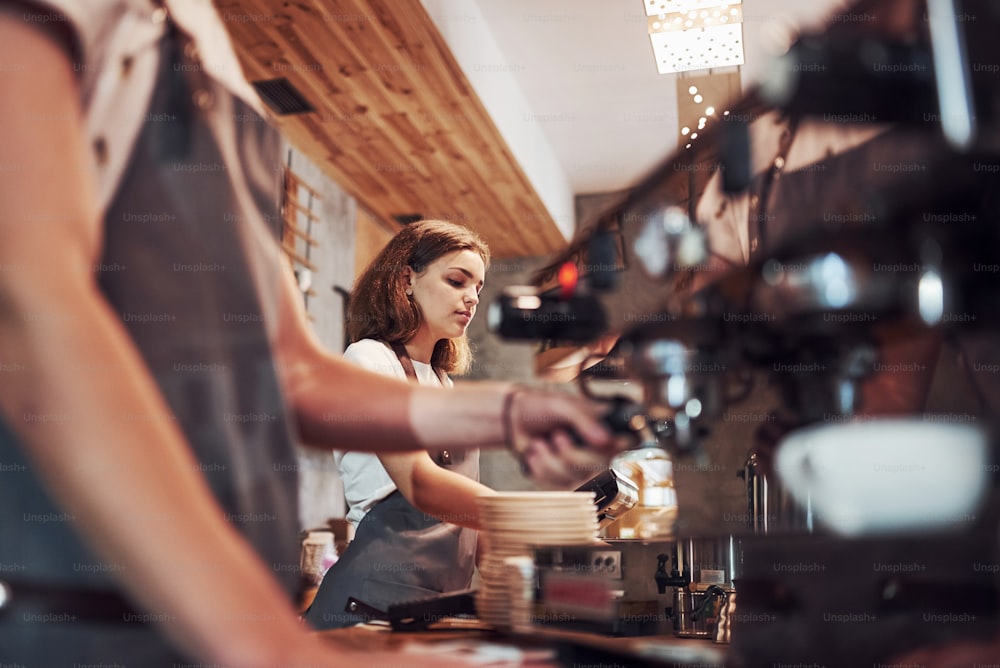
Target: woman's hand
{"type": "Point", "coordinates": [437, 491]}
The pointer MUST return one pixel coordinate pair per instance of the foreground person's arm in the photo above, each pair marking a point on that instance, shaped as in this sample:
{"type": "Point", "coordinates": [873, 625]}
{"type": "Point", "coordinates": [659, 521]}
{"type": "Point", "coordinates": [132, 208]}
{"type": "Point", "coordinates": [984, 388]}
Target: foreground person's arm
{"type": "Point", "coordinates": [336, 402]}
{"type": "Point", "coordinates": [85, 409]}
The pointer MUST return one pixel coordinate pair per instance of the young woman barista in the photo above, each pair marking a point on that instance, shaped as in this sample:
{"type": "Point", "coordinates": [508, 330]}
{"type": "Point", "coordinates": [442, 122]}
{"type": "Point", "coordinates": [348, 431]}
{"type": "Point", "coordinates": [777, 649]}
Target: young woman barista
{"type": "Point", "coordinates": [414, 512]}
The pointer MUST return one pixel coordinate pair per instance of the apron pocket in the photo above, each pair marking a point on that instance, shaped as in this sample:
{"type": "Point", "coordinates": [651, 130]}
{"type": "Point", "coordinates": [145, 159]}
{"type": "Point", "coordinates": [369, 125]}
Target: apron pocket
{"type": "Point", "coordinates": [382, 593]}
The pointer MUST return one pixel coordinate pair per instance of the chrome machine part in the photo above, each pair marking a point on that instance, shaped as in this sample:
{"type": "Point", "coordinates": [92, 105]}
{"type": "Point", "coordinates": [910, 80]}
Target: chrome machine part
{"type": "Point", "coordinates": [770, 507]}
{"type": "Point", "coordinates": [669, 243]}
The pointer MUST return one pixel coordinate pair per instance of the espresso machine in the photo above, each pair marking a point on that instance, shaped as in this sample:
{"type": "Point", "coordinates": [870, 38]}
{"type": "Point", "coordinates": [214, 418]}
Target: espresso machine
{"type": "Point", "coordinates": [864, 537]}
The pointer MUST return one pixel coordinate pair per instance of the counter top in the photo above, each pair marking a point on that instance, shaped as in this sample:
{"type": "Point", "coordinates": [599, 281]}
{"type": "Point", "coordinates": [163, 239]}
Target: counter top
{"type": "Point", "coordinates": [541, 647]}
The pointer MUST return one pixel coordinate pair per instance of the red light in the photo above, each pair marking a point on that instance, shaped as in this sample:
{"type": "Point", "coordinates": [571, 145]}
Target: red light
{"type": "Point", "coordinates": [568, 277]}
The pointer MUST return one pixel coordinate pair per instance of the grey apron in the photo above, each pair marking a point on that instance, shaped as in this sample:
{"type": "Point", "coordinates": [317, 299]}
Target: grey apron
{"type": "Point", "coordinates": [176, 270]}
{"type": "Point", "coordinates": [399, 553]}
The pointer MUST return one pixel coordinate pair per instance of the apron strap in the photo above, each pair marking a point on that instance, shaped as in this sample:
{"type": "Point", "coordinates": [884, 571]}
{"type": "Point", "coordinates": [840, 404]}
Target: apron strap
{"type": "Point", "coordinates": [442, 457]}
{"type": "Point", "coordinates": [404, 359]}
{"type": "Point", "coordinates": [174, 141]}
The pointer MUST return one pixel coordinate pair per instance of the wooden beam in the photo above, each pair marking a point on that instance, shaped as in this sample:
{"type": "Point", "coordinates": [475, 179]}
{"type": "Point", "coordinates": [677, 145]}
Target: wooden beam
{"type": "Point", "coordinates": [397, 125]}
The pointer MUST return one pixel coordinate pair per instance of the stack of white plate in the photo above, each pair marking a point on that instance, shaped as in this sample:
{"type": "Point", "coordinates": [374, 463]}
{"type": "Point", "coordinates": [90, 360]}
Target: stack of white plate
{"type": "Point", "coordinates": [512, 523]}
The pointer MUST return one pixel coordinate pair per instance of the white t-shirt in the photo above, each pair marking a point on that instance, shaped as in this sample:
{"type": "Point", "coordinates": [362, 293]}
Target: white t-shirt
{"type": "Point", "coordinates": [366, 481]}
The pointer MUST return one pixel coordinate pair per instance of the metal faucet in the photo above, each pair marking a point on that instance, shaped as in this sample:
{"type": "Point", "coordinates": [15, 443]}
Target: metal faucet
{"type": "Point", "coordinates": [663, 580]}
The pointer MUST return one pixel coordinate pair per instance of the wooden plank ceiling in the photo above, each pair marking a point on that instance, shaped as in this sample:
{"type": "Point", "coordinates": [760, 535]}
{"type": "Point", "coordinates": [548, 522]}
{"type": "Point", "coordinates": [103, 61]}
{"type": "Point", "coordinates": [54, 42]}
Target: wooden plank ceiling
{"type": "Point", "coordinates": [396, 124]}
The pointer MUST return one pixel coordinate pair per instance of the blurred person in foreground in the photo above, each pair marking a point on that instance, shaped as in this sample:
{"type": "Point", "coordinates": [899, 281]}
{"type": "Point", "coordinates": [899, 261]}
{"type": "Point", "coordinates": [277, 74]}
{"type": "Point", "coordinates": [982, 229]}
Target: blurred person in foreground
{"type": "Point", "coordinates": [156, 361]}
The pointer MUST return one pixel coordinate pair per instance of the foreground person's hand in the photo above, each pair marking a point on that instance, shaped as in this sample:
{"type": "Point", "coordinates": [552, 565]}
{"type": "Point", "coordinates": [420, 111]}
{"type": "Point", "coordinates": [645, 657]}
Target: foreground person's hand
{"type": "Point", "coordinates": [558, 438]}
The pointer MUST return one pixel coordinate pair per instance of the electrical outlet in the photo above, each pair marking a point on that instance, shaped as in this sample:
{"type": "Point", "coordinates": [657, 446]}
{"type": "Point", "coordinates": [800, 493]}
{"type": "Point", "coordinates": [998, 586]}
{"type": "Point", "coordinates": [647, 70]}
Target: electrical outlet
{"type": "Point", "coordinates": [607, 563]}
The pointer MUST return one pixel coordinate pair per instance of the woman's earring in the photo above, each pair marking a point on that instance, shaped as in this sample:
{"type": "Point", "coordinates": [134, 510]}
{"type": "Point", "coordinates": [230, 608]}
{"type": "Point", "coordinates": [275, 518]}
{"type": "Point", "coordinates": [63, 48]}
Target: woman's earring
{"type": "Point", "coordinates": [409, 292]}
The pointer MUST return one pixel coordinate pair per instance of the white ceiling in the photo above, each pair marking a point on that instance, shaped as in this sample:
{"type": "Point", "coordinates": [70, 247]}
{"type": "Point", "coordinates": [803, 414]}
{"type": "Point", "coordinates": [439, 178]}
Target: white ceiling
{"type": "Point", "coordinates": [586, 70]}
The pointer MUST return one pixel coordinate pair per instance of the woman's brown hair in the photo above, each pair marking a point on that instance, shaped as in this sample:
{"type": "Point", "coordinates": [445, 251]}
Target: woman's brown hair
{"type": "Point", "coordinates": [379, 308]}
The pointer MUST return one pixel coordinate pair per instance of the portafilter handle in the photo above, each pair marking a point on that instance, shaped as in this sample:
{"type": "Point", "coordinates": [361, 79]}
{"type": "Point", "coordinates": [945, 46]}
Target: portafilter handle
{"type": "Point", "coordinates": [624, 416]}
{"type": "Point", "coordinates": [614, 495]}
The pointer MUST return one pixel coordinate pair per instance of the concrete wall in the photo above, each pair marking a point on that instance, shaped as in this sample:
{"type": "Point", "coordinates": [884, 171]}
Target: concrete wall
{"type": "Point", "coordinates": [321, 494]}
{"type": "Point", "coordinates": [495, 359]}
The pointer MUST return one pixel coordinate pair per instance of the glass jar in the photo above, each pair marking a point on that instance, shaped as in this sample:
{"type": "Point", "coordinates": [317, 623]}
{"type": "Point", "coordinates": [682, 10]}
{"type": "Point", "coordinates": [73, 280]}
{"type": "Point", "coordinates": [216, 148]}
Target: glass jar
{"type": "Point", "coordinates": [652, 471]}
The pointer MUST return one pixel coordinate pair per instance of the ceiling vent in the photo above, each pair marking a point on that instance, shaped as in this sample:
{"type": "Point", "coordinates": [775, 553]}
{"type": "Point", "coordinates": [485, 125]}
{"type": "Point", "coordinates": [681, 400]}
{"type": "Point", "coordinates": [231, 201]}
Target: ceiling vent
{"type": "Point", "coordinates": [282, 97]}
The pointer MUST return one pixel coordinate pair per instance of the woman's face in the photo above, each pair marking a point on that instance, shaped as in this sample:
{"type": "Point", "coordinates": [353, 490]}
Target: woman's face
{"type": "Point", "coordinates": [447, 293]}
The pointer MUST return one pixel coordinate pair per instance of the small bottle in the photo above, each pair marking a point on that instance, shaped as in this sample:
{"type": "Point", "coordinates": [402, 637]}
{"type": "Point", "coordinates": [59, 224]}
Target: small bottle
{"type": "Point", "coordinates": [318, 554]}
